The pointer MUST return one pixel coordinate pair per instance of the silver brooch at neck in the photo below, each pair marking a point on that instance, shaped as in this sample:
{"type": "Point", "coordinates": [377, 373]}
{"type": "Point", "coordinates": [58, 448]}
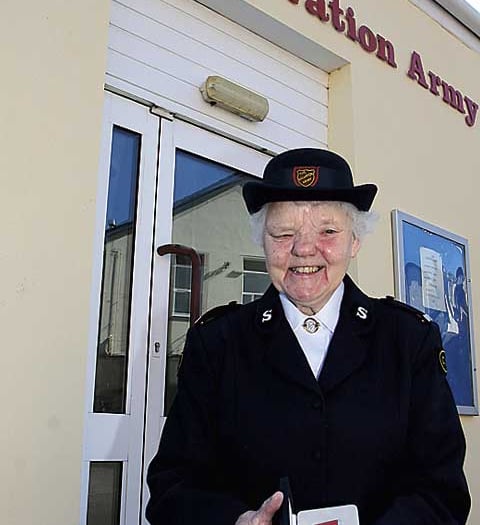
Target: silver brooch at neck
{"type": "Point", "coordinates": [311, 325]}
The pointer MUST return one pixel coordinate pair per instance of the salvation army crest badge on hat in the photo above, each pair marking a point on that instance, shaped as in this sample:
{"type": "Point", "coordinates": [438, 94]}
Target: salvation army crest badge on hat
{"type": "Point", "coordinates": [307, 174]}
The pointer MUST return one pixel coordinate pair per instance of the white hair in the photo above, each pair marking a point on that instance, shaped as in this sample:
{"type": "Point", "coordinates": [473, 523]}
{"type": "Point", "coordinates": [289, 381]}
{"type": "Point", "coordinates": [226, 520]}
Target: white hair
{"type": "Point", "coordinates": [363, 222]}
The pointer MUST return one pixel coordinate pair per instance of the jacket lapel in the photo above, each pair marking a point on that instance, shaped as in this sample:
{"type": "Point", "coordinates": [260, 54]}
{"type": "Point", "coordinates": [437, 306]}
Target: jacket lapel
{"type": "Point", "coordinates": [282, 351]}
{"type": "Point", "coordinates": [351, 340]}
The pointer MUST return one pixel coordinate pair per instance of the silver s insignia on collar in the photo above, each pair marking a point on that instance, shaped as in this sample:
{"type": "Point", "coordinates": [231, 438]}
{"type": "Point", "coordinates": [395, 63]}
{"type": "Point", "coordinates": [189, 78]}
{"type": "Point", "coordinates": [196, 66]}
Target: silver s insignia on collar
{"type": "Point", "coordinates": [362, 312]}
{"type": "Point", "coordinates": [267, 316]}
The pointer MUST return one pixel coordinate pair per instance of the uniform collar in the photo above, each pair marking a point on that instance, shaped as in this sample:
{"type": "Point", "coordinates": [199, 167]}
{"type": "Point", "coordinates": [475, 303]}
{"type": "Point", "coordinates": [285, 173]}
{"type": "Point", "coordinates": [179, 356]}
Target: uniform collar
{"type": "Point", "coordinates": [351, 342]}
{"type": "Point", "coordinates": [327, 316]}
{"type": "Point", "coordinates": [356, 309]}
{"type": "Point", "coordinates": [348, 349]}
{"type": "Point", "coordinates": [269, 311]}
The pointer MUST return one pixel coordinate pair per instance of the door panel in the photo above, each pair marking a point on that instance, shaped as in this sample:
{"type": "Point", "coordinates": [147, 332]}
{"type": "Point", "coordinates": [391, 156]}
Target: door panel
{"type": "Point", "coordinates": [208, 215]}
{"type": "Point", "coordinates": [120, 308]}
{"type": "Point", "coordinates": [180, 186]}
{"type": "Point", "coordinates": [205, 212]}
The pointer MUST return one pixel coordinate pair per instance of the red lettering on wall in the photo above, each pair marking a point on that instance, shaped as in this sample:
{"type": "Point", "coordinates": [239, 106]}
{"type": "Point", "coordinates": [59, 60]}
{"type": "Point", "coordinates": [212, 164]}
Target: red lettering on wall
{"type": "Point", "coordinates": [453, 97]}
{"type": "Point", "coordinates": [386, 51]}
{"type": "Point", "coordinates": [435, 82]}
{"type": "Point", "coordinates": [344, 21]}
{"type": "Point", "coordinates": [472, 108]}
{"type": "Point", "coordinates": [367, 39]}
{"type": "Point", "coordinates": [318, 8]}
{"type": "Point", "coordinates": [351, 24]}
{"type": "Point", "coordinates": [450, 95]}
{"type": "Point", "coordinates": [415, 71]}
{"type": "Point", "coordinates": [336, 11]}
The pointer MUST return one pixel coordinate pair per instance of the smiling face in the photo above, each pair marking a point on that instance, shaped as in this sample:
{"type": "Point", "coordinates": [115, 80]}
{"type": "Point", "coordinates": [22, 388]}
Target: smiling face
{"type": "Point", "coordinates": [308, 247]}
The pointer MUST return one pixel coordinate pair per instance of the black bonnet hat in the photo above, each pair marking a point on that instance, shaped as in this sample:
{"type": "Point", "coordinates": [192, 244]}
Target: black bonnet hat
{"type": "Point", "coordinates": [307, 174]}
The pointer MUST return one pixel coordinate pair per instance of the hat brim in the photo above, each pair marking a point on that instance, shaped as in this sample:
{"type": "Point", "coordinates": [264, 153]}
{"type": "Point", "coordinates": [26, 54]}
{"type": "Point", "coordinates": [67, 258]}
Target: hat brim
{"type": "Point", "coordinates": [256, 194]}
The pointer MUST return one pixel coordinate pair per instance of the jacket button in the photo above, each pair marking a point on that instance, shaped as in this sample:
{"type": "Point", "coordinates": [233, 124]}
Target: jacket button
{"type": "Point", "coordinates": [317, 455]}
{"type": "Point", "coordinates": [317, 404]}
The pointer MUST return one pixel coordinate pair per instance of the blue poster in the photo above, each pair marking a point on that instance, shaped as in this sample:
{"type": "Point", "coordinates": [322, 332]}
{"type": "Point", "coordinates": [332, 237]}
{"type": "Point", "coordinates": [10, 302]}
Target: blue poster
{"type": "Point", "coordinates": [435, 275]}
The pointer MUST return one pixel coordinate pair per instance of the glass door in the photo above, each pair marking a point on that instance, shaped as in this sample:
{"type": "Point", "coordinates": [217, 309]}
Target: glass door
{"type": "Point", "coordinates": [162, 183]}
{"type": "Point", "coordinates": [200, 207]}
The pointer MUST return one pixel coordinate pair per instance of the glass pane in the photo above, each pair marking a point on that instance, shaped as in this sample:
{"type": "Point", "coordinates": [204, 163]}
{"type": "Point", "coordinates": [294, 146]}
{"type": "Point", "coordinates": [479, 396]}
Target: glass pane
{"type": "Point", "coordinates": [249, 297]}
{"type": "Point", "coordinates": [183, 276]}
{"type": "Point", "coordinates": [182, 303]}
{"type": "Point", "coordinates": [255, 265]}
{"type": "Point", "coordinates": [114, 318]}
{"type": "Point", "coordinates": [209, 215]}
{"type": "Point", "coordinates": [182, 260]}
{"type": "Point", "coordinates": [255, 282]}
{"type": "Point", "coordinates": [441, 293]}
{"type": "Point", "coordinates": [104, 493]}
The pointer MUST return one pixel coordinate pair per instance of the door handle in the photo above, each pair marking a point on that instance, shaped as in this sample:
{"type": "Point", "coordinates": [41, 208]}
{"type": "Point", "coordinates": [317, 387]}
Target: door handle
{"type": "Point", "coordinates": [195, 294]}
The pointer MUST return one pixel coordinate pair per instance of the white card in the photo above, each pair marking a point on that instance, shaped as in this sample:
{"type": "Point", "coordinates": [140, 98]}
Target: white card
{"type": "Point", "coordinates": [342, 515]}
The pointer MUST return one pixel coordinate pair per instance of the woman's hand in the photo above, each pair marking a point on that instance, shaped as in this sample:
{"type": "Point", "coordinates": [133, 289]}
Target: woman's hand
{"type": "Point", "coordinates": [264, 515]}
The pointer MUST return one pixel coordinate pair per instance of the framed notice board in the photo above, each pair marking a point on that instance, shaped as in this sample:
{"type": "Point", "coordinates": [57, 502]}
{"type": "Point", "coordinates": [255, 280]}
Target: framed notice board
{"type": "Point", "coordinates": [432, 274]}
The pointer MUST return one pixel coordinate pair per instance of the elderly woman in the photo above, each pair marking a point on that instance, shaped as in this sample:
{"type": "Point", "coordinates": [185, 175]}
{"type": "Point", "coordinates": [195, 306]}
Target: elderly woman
{"type": "Point", "coordinates": [344, 394]}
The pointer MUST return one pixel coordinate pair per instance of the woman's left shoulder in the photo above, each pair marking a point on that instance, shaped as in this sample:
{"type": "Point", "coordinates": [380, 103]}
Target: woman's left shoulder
{"type": "Point", "coordinates": [391, 307]}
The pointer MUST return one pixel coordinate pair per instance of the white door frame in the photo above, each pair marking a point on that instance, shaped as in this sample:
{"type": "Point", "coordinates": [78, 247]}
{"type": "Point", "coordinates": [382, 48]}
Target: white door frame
{"type": "Point", "coordinates": [132, 438]}
{"type": "Point", "coordinates": [119, 437]}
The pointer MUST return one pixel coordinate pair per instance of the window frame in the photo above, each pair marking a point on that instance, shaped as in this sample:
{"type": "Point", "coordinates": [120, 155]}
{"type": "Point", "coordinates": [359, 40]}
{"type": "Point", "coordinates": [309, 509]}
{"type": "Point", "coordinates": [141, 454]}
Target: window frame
{"type": "Point", "coordinates": [188, 264]}
{"type": "Point", "coordinates": [254, 295]}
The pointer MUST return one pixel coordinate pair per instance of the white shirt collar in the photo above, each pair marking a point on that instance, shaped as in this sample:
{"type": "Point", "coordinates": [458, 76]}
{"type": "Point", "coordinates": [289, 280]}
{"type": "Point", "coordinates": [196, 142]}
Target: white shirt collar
{"type": "Point", "coordinates": [327, 316]}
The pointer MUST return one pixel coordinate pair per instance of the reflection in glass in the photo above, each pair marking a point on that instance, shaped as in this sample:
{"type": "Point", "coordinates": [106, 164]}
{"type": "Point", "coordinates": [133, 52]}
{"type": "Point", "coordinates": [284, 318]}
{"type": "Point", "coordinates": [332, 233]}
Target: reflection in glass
{"type": "Point", "coordinates": [208, 215]}
{"type": "Point", "coordinates": [255, 279]}
{"type": "Point", "coordinates": [114, 318]}
{"type": "Point", "coordinates": [182, 275]}
{"type": "Point", "coordinates": [104, 493]}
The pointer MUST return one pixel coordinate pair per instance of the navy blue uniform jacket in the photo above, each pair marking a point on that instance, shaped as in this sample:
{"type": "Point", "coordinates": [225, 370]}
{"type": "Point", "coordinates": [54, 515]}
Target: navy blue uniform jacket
{"type": "Point", "coordinates": [378, 429]}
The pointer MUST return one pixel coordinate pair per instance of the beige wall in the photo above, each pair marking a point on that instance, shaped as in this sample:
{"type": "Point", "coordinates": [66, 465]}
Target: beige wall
{"type": "Point", "coordinates": [53, 61]}
{"type": "Point", "coordinates": [397, 134]}
{"type": "Point", "coordinates": [420, 153]}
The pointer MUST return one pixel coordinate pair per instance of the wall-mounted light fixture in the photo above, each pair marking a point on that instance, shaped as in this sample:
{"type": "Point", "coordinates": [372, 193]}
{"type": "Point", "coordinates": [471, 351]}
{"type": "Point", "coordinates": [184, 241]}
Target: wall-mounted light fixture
{"type": "Point", "coordinates": [234, 98]}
